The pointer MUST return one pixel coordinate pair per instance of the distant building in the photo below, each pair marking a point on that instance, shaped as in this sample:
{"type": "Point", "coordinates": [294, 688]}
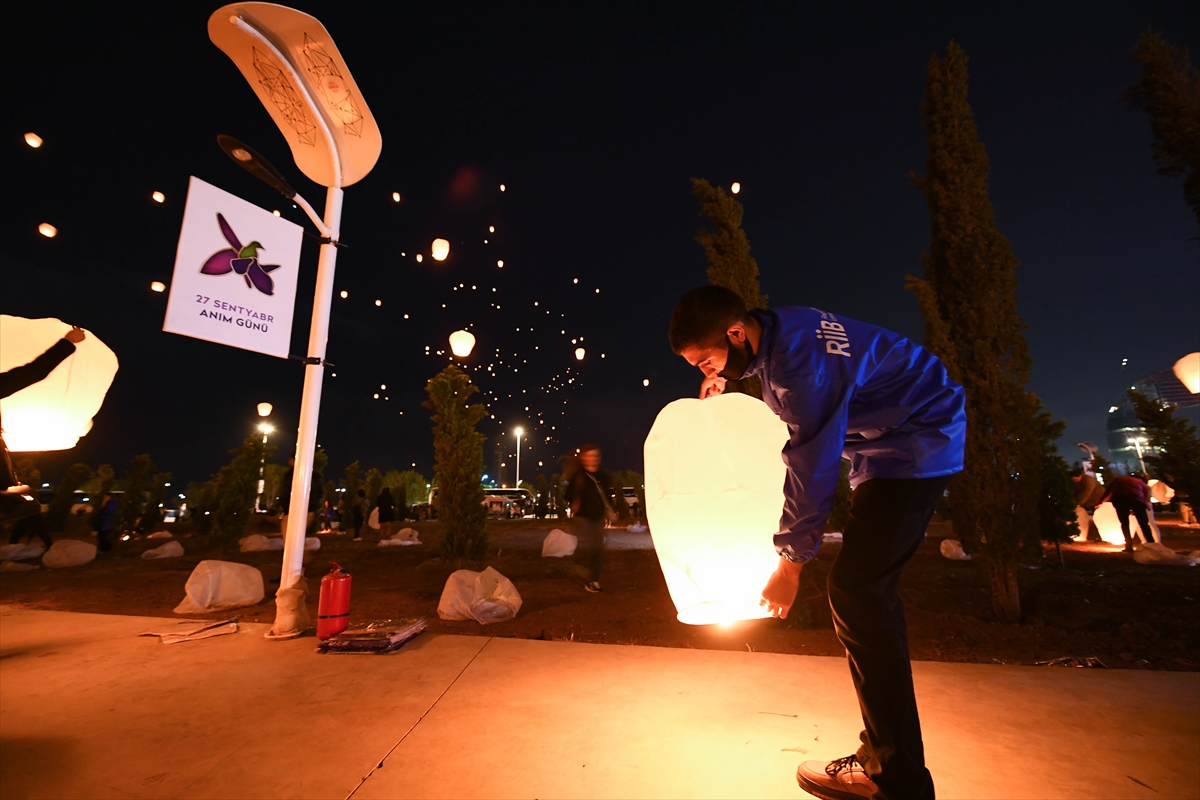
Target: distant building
{"type": "Point", "coordinates": [1126, 434]}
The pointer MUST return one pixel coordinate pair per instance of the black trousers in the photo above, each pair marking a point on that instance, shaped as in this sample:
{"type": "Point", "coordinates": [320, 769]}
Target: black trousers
{"type": "Point", "coordinates": [1126, 507]}
{"type": "Point", "coordinates": [887, 524]}
{"type": "Point", "coordinates": [30, 526]}
{"type": "Point", "coordinates": [589, 551]}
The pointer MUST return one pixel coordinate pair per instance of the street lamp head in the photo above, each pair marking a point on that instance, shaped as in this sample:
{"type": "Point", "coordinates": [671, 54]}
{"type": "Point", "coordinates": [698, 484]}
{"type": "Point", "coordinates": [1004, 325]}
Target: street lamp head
{"type": "Point", "coordinates": [246, 158]}
{"type": "Point", "coordinates": [519, 432]}
{"type": "Point", "coordinates": [265, 428]}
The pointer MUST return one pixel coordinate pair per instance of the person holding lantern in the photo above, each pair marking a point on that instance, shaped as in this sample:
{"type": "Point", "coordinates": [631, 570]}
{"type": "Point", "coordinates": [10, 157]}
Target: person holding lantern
{"type": "Point", "coordinates": [851, 390]}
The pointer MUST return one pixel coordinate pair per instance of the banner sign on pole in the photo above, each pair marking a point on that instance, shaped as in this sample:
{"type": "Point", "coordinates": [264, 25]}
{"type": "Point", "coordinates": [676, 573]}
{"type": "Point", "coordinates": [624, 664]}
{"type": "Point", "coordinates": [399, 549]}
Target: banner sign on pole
{"type": "Point", "coordinates": [235, 273]}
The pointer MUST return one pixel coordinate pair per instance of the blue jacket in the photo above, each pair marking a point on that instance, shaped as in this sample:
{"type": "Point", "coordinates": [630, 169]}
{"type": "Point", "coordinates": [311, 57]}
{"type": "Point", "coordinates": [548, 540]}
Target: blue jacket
{"type": "Point", "coordinates": [846, 388]}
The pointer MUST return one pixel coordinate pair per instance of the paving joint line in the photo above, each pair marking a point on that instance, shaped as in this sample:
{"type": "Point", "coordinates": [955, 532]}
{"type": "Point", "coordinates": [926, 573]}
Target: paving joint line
{"type": "Point", "coordinates": [400, 741]}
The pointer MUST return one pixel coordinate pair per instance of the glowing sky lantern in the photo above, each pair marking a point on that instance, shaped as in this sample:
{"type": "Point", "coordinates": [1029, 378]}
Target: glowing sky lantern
{"type": "Point", "coordinates": [1187, 369]}
{"type": "Point", "coordinates": [500, 264]}
{"type": "Point", "coordinates": [645, 382]}
{"type": "Point", "coordinates": [158, 197]}
{"type": "Point", "coordinates": [580, 353]}
{"type": "Point", "coordinates": [33, 140]}
{"type": "Point", "coordinates": [54, 413]}
{"type": "Point", "coordinates": [264, 409]}
{"type": "Point", "coordinates": [344, 294]}
{"type": "Point", "coordinates": [713, 504]}
{"type": "Point", "coordinates": [441, 249]}
{"type": "Point", "coordinates": [735, 187]}
{"type": "Point", "coordinates": [462, 343]}
{"type": "Point", "coordinates": [420, 258]}
{"type": "Point", "coordinates": [395, 197]}
{"type": "Point", "coordinates": [158, 286]}
{"type": "Point", "coordinates": [47, 230]}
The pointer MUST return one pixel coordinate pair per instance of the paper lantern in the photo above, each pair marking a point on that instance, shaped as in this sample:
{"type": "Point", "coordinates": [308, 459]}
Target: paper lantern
{"type": "Point", "coordinates": [1187, 369]}
{"type": "Point", "coordinates": [47, 230]}
{"type": "Point", "coordinates": [441, 249]}
{"type": "Point", "coordinates": [1109, 525]}
{"type": "Point", "coordinates": [735, 188]}
{"type": "Point", "coordinates": [33, 140]}
{"type": "Point", "coordinates": [158, 197]}
{"type": "Point", "coordinates": [580, 353]}
{"type": "Point", "coordinates": [52, 414]}
{"type": "Point", "coordinates": [264, 409]}
{"type": "Point", "coordinates": [158, 286]}
{"type": "Point", "coordinates": [714, 494]}
{"type": "Point", "coordinates": [462, 343]}
{"type": "Point", "coordinates": [395, 197]}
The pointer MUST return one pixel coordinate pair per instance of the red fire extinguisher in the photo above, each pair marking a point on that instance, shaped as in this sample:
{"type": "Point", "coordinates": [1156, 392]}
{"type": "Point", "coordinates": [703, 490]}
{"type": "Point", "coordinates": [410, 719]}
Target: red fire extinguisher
{"type": "Point", "coordinates": [333, 609]}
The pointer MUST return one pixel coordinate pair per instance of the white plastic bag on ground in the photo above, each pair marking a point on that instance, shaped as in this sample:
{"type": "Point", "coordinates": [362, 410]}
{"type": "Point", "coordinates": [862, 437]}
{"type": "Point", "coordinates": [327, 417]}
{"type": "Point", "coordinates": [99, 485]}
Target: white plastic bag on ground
{"type": "Point", "coordinates": [311, 543]}
{"type": "Point", "coordinates": [160, 535]}
{"type": "Point", "coordinates": [485, 597]}
{"type": "Point", "coordinates": [17, 552]}
{"type": "Point", "coordinates": [291, 611]}
{"type": "Point", "coordinates": [558, 544]}
{"type": "Point", "coordinates": [69, 553]}
{"type": "Point", "coordinates": [168, 550]}
{"type": "Point", "coordinates": [409, 534]}
{"type": "Point", "coordinates": [218, 585]}
{"type": "Point", "coordinates": [952, 549]}
{"type": "Point", "coordinates": [254, 543]}
{"type": "Point", "coordinates": [1155, 553]}
{"type": "Point", "coordinates": [373, 519]}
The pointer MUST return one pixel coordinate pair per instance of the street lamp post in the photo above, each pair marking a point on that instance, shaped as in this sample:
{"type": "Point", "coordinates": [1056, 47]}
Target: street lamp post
{"type": "Point", "coordinates": [264, 410]}
{"type": "Point", "coordinates": [518, 483]}
{"type": "Point", "coordinates": [1138, 441]}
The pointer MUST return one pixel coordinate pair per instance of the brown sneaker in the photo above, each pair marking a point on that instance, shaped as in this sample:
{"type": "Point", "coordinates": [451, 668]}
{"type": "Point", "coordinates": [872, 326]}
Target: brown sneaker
{"type": "Point", "coordinates": [843, 779]}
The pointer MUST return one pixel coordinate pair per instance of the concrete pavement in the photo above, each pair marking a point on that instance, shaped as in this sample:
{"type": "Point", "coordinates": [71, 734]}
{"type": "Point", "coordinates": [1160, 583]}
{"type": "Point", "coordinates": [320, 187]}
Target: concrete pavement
{"type": "Point", "coordinates": [87, 709]}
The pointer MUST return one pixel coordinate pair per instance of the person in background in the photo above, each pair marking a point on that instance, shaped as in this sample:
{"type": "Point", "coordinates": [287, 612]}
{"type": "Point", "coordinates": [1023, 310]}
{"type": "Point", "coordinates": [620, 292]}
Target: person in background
{"type": "Point", "coordinates": [358, 514]}
{"type": "Point", "coordinates": [593, 505]}
{"type": "Point", "coordinates": [1130, 495]}
{"type": "Point", "coordinates": [387, 513]}
{"type": "Point", "coordinates": [104, 521]}
{"type": "Point", "coordinates": [326, 516]}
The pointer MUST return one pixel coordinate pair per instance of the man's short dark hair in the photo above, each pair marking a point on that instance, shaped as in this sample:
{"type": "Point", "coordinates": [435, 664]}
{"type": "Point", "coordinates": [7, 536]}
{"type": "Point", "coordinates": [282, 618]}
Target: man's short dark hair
{"type": "Point", "coordinates": [702, 316]}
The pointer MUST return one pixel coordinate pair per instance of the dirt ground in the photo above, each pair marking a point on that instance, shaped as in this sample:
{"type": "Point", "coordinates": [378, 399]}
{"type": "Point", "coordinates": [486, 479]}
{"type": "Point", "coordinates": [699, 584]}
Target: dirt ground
{"type": "Point", "coordinates": [1102, 604]}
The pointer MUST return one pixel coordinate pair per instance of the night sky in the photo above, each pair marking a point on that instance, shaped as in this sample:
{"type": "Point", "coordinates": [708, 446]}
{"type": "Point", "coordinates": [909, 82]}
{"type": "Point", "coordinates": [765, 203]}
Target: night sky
{"type": "Point", "coordinates": [594, 116]}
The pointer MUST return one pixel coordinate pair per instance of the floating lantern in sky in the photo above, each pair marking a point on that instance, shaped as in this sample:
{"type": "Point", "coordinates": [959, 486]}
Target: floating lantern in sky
{"type": "Point", "coordinates": [491, 228]}
{"type": "Point", "coordinates": [645, 381]}
{"type": "Point", "coordinates": [502, 187]}
{"type": "Point", "coordinates": [420, 258]}
{"type": "Point", "coordinates": [52, 414]}
{"type": "Point", "coordinates": [441, 249]}
{"type": "Point", "coordinates": [580, 353]}
{"type": "Point", "coordinates": [276, 212]}
{"type": "Point", "coordinates": [47, 230]}
{"type": "Point", "coordinates": [395, 197]}
{"type": "Point", "coordinates": [713, 504]}
{"type": "Point", "coordinates": [378, 302]}
{"type": "Point", "coordinates": [462, 343]}
{"type": "Point", "coordinates": [344, 294]}
{"type": "Point", "coordinates": [158, 197]}
{"type": "Point", "coordinates": [500, 264]}
{"type": "Point", "coordinates": [158, 286]}
{"type": "Point", "coordinates": [1187, 369]}
{"type": "Point", "coordinates": [736, 187]}
{"type": "Point", "coordinates": [33, 140]}
{"type": "Point", "coordinates": [265, 409]}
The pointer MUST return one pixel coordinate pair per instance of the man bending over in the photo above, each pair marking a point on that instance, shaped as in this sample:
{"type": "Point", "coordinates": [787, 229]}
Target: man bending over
{"type": "Point", "coordinates": [851, 390]}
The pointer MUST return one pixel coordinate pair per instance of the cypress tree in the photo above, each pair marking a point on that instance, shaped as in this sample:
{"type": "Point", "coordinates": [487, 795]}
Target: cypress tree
{"type": "Point", "coordinates": [730, 264]}
{"type": "Point", "coordinates": [1169, 92]}
{"type": "Point", "coordinates": [458, 463]}
{"type": "Point", "coordinates": [968, 297]}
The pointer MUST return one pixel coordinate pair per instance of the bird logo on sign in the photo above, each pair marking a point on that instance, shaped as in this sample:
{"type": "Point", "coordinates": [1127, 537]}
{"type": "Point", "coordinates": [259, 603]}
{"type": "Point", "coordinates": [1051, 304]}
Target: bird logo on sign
{"type": "Point", "coordinates": [242, 260]}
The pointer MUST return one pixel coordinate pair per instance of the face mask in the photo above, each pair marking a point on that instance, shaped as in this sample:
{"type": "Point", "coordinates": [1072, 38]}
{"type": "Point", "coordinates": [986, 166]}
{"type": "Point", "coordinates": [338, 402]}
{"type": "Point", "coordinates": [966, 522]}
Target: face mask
{"type": "Point", "coordinates": [737, 359]}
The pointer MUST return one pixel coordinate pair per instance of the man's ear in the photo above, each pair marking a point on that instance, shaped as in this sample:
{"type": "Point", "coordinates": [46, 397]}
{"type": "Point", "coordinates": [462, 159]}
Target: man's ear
{"type": "Point", "coordinates": [737, 333]}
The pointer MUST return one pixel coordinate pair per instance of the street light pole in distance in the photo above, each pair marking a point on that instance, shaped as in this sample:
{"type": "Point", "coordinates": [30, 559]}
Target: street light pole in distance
{"type": "Point", "coordinates": [517, 485]}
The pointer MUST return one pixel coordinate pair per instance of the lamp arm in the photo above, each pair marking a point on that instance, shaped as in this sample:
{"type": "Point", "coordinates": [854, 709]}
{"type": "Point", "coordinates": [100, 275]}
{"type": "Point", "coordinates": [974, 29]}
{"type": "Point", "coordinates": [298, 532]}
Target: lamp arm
{"type": "Point", "coordinates": [312, 214]}
{"type": "Point", "coordinates": [321, 121]}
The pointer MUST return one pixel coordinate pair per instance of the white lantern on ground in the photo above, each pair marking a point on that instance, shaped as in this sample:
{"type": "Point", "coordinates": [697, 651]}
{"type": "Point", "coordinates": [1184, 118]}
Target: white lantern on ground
{"type": "Point", "coordinates": [52, 414]}
{"type": "Point", "coordinates": [462, 343]}
{"type": "Point", "coordinates": [714, 494]}
{"type": "Point", "coordinates": [1109, 525]}
{"type": "Point", "coordinates": [1187, 369]}
{"type": "Point", "coordinates": [441, 249]}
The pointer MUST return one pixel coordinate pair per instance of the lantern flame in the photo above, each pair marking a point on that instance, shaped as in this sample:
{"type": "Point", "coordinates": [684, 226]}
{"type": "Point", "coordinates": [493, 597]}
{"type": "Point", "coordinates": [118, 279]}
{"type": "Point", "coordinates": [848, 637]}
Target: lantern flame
{"type": "Point", "coordinates": [1187, 369]}
{"type": "Point", "coordinates": [441, 249]}
{"type": "Point", "coordinates": [462, 343]}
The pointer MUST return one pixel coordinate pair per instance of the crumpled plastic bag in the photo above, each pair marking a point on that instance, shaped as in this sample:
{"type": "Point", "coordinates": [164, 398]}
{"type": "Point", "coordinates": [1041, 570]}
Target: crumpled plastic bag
{"type": "Point", "coordinates": [218, 585]}
{"type": "Point", "coordinates": [311, 543]}
{"type": "Point", "coordinates": [558, 544]}
{"type": "Point", "coordinates": [291, 611]}
{"type": "Point", "coordinates": [402, 537]}
{"type": "Point", "coordinates": [485, 597]}
{"type": "Point", "coordinates": [161, 535]}
{"type": "Point", "coordinates": [952, 549]}
{"type": "Point", "coordinates": [168, 550]}
{"type": "Point", "coordinates": [256, 542]}
{"type": "Point", "coordinates": [19, 552]}
{"type": "Point", "coordinates": [68, 553]}
{"type": "Point", "coordinates": [1155, 553]}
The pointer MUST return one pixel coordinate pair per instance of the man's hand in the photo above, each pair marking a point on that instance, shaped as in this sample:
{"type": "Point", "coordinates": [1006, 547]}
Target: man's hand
{"type": "Point", "coordinates": [75, 335]}
{"type": "Point", "coordinates": [711, 387]}
{"type": "Point", "coordinates": [780, 592]}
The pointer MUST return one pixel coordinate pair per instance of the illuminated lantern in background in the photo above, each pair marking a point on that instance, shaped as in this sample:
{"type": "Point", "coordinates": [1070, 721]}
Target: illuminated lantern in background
{"type": "Point", "coordinates": [33, 140]}
{"type": "Point", "coordinates": [462, 343]}
{"type": "Point", "coordinates": [1109, 525]}
{"type": "Point", "coordinates": [158, 197]}
{"type": "Point", "coordinates": [735, 188]}
{"type": "Point", "coordinates": [158, 286]}
{"type": "Point", "coordinates": [47, 230]}
{"type": "Point", "coordinates": [54, 413]}
{"type": "Point", "coordinates": [264, 409]}
{"type": "Point", "coordinates": [714, 494]}
{"type": "Point", "coordinates": [441, 249]}
{"type": "Point", "coordinates": [1187, 369]}
{"type": "Point", "coordinates": [580, 353]}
